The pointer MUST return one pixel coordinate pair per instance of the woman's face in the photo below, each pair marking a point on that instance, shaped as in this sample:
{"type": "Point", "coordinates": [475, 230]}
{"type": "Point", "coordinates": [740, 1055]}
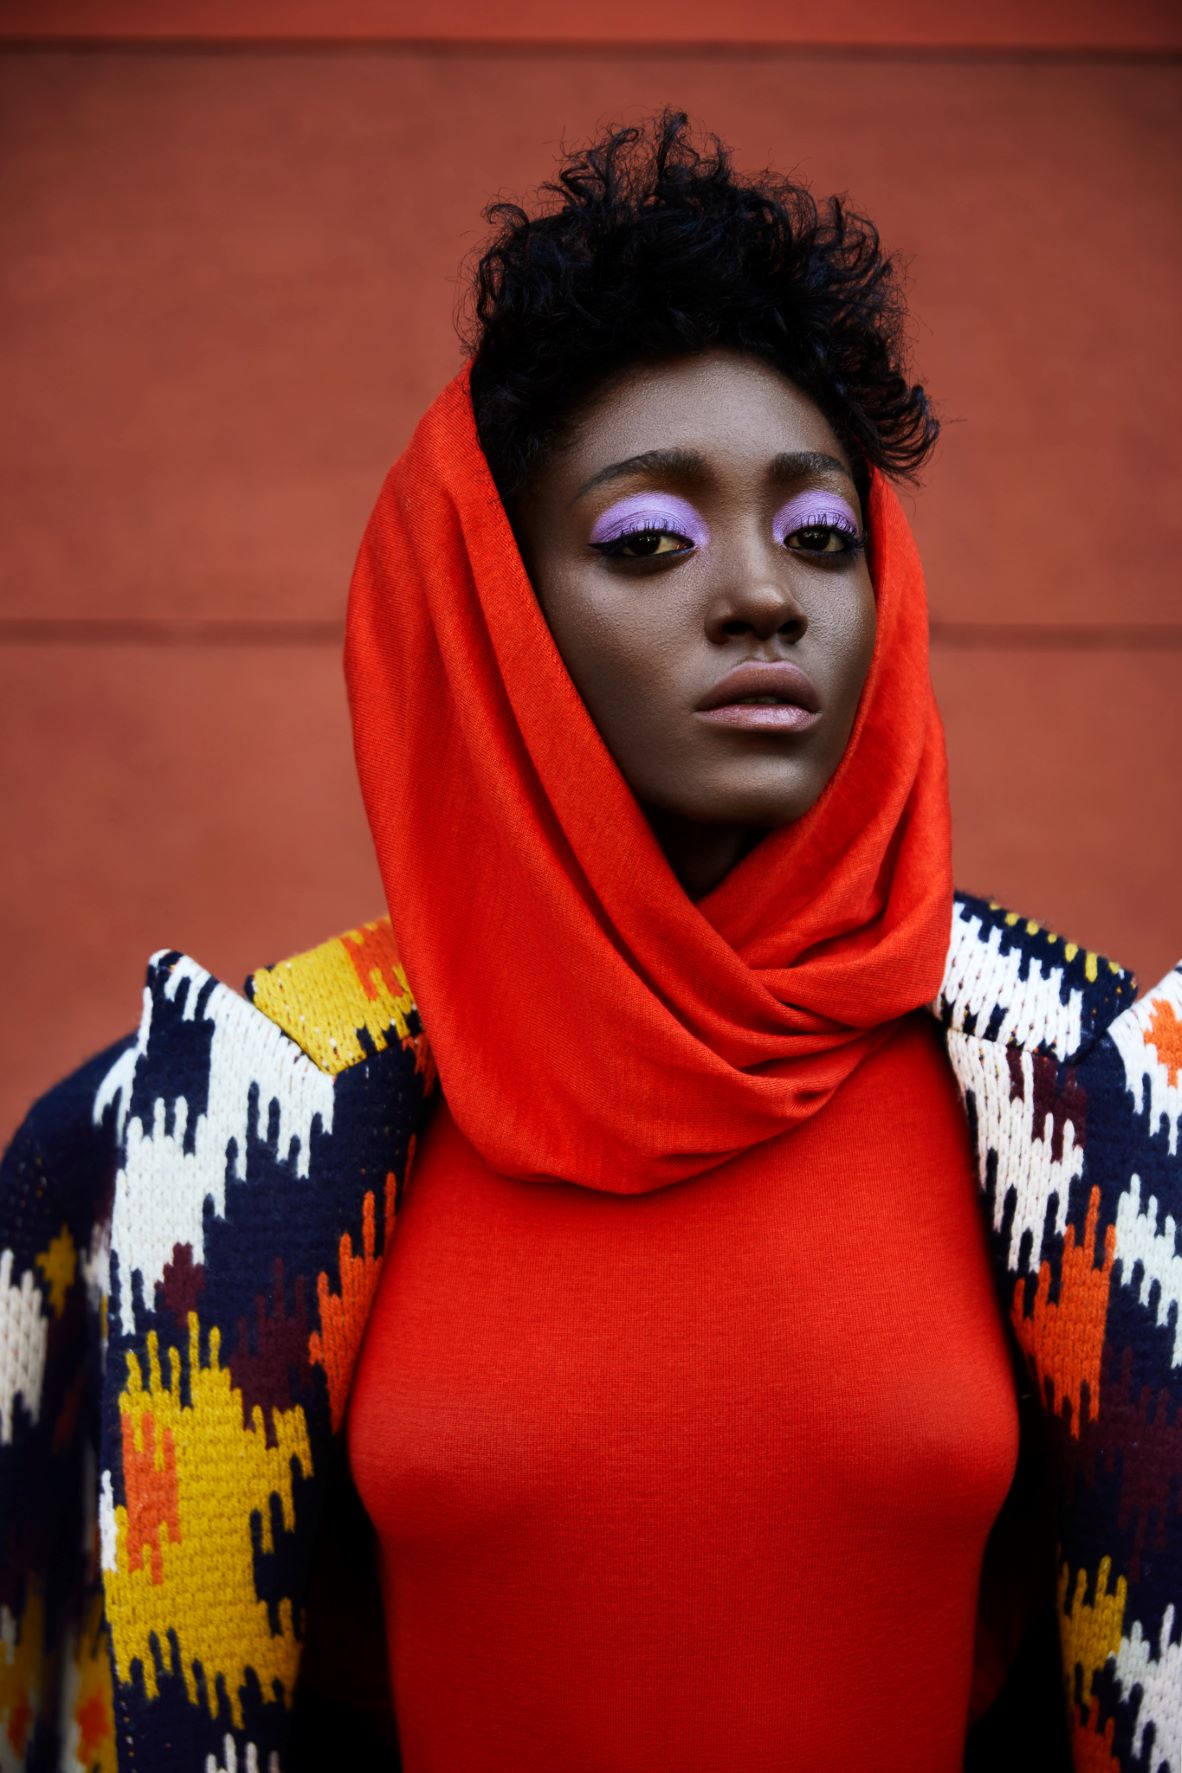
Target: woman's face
{"type": "Point", "coordinates": [699, 554]}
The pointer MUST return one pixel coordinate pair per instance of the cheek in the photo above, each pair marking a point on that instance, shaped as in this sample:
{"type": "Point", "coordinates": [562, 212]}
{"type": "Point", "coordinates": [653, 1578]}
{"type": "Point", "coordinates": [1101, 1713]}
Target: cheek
{"type": "Point", "coordinates": [611, 644]}
{"type": "Point", "coordinates": [626, 688]}
{"type": "Point", "coordinates": [624, 671]}
{"type": "Point", "coordinates": [853, 644]}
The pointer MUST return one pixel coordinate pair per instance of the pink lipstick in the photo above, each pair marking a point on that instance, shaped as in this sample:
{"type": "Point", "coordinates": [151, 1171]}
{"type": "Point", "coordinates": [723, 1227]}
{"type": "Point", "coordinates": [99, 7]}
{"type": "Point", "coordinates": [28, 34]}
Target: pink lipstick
{"type": "Point", "coordinates": [763, 695]}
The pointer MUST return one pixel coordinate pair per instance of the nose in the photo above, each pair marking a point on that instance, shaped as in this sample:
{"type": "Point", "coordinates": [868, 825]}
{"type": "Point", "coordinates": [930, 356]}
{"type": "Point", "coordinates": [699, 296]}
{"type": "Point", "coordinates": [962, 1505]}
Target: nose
{"type": "Point", "coordinates": [757, 601]}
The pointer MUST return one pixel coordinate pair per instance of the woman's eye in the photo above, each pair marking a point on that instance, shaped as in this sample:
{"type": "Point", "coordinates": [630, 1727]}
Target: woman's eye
{"type": "Point", "coordinates": [823, 538]}
{"type": "Point", "coordinates": [646, 544]}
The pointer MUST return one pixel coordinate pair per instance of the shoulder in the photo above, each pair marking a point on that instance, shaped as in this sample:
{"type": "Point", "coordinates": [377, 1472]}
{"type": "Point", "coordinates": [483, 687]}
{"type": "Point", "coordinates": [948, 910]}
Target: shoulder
{"type": "Point", "coordinates": [1009, 979]}
{"type": "Point", "coordinates": [326, 1010]}
{"type": "Point", "coordinates": [344, 999]}
{"type": "Point", "coordinates": [318, 1014]}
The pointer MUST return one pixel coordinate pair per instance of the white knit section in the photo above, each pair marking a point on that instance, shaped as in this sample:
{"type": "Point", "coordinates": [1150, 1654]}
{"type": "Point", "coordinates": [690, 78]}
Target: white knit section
{"type": "Point", "coordinates": [115, 1087]}
{"type": "Point", "coordinates": [979, 978]}
{"type": "Point", "coordinates": [94, 1263]}
{"type": "Point", "coordinates": [24, 1330]}
{"type": "Point", "coordinates": [108, 1539]}
{"type": "Point", "coordinates": [1138, 1240]}
{"type": "Point", "coordinates": [1006, 1126]}
{"type": "Point", "coordinates": [1159, 1676]}
{"type": "Point", "coordinates": [161, 1190]}
{"type": "Point", "coordinates": [249, 1763]}
{"type": "Point", "coordinates": [1141, 1058]}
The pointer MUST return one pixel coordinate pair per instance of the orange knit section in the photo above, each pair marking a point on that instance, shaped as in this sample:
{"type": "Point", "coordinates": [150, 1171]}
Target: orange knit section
{"type": "Point", "coordinates": [94, 1727]}
{"type": "Point", "coordinates": [342, 1315]}
{"type": "Point", "coordinates": [1164, 1035]}
{"type": "Point", "coordinates": [152, 1495]}
{"type": "Point", "coordinates": [18, 1722]}
{"type": "Point", "coordinates": [1063, 1340]}
{"type": "Point", "coordinates": [1091, 1748]}
{"type": "Point", "coordinates": [94, 1712]}
{"type": "Point", "coordinates": [374, 958]}
{"type": "Point", "coordinates": [21, 1668]}
{"type": "Point", "coordinates": [371, 950]}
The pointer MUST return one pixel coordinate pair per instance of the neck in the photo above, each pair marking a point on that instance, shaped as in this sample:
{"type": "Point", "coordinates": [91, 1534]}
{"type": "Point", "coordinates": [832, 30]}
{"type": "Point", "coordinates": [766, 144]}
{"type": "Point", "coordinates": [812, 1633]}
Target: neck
{"type": "Point", "coordinates": [701, 856]}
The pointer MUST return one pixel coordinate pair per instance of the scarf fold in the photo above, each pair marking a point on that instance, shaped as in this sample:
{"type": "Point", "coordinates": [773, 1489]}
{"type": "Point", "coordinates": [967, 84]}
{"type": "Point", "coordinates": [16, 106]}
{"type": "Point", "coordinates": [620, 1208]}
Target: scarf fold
{"type": "Point", "coordinates": [590, 1022]}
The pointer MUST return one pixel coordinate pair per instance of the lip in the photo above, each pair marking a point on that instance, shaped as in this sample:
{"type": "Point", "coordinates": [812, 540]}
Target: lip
{"type": "Point", "coordinates": [798, 707]}
{"type": "Point", "coordinates": [763, 717]}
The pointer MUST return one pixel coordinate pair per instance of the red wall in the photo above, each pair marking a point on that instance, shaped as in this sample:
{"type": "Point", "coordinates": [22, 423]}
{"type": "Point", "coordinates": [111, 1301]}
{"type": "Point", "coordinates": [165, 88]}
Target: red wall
{"type": "Point", "coordinates": [231, 277]}
{"type": "Point", "coordinates": [1007, 24]}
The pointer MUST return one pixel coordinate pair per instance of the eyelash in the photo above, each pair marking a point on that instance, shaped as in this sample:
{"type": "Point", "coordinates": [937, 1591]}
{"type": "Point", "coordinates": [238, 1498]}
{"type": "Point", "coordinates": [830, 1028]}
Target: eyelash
{"type": "Point", "coordinates": [854, 544]}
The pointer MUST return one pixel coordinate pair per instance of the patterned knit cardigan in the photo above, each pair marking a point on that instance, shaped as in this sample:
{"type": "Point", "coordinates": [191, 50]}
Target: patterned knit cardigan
{"type": "Point", "coordinates": [191, 1230]}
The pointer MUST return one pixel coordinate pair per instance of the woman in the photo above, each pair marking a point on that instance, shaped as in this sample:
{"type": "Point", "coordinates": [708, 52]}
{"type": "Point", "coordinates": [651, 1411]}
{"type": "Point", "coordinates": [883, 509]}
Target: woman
{"type": "Point", "coordinates": [686, 1410]}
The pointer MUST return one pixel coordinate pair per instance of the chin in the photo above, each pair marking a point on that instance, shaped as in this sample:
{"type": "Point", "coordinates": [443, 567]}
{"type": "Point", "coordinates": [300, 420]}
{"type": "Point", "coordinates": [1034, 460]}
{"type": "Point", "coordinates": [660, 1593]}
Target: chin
{"type": "Point", "coordinates": [765, 804]}
{"type": "Point", "coordinates": [758, 811]}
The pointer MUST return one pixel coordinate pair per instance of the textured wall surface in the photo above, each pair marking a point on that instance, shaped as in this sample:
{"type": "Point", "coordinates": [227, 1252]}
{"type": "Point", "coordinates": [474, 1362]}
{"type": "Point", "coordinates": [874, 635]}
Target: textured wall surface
{"type": "Point", "coordinates": [1135, 24]}
{"type": "Point", "coordinates": [230, 275]}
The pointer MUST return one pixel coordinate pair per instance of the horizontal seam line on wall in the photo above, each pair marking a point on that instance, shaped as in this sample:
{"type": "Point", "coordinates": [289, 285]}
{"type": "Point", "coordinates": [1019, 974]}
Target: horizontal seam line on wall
{"type": "Point", "coordinates": [1074, 637]}
{"type": "Point", "coordinates": [584, 47]}
{"type": "Point", "coordinates": [211, 632]}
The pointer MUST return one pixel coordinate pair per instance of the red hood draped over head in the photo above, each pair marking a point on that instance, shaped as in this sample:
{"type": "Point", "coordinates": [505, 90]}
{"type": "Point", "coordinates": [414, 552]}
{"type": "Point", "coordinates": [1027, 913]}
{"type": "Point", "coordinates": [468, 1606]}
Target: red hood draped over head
{"type": "Point", "coordinates": [590, 1022]}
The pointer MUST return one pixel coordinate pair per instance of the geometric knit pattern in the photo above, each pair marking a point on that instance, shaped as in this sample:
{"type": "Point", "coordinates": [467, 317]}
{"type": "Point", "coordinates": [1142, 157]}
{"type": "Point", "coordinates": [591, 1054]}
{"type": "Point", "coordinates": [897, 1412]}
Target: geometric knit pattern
{"type": "Point", "coordinates": [192, 1227]}
{"type": "Point", "coordinates": [1074, 1098]}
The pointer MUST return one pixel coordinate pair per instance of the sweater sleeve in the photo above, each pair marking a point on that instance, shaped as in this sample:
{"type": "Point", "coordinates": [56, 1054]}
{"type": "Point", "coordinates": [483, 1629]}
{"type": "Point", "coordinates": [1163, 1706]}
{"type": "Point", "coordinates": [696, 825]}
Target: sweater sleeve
{"type": "Point", "coordinates": [56, 1188]}
{"type": "Point", "coordinates": [1107, 1338]}
{"type": "Point", "coordinates": [1080, 1157]}
{"type": "Point", "coordinates": [1072, 1086]}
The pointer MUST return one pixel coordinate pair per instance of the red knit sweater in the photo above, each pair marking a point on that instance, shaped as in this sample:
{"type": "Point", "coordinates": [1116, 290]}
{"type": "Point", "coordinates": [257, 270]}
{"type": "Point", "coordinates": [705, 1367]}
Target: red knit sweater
{"type": "Point", "coordinates": [699, 1477]}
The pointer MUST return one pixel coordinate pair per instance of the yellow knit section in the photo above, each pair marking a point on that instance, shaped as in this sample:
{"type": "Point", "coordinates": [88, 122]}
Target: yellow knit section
{"type": "Point", "coordinates": [184, 1559]}
{"type": "Point", "coordinates": [1090, 1634]}
{"type": "Point", "coordinates": [58, 1264]}
{"type": "Point", "coordinates": [328, 996]}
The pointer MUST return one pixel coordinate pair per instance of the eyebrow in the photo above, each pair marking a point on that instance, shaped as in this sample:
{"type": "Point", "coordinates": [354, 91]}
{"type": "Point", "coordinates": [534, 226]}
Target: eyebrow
{"type": "Point", "coordinates": [686, 464]}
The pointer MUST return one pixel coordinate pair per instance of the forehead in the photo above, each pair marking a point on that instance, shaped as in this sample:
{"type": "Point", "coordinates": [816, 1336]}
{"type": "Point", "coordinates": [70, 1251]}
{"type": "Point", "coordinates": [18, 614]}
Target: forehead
{"type": "Point", "coordinates": [728, 407]}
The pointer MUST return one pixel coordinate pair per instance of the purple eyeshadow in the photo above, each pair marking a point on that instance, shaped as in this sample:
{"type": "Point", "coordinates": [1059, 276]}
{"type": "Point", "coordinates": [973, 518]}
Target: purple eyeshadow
{"type": "Point", "coordinates": [815, 507]}
{"type": "Point", "coordinates": [650, 511]}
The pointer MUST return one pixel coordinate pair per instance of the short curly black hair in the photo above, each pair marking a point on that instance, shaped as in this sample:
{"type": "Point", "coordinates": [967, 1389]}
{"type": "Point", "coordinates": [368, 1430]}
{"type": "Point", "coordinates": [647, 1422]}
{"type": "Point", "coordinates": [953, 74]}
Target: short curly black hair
{"type": "Point", "coordinates": [657, 250]}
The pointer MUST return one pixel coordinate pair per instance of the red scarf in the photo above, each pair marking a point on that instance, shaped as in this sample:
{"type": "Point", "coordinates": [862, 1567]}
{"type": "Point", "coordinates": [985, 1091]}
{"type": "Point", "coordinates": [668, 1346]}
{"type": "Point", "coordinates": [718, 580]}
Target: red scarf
{"type": "Point", "coordinates": [590, 1022]}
